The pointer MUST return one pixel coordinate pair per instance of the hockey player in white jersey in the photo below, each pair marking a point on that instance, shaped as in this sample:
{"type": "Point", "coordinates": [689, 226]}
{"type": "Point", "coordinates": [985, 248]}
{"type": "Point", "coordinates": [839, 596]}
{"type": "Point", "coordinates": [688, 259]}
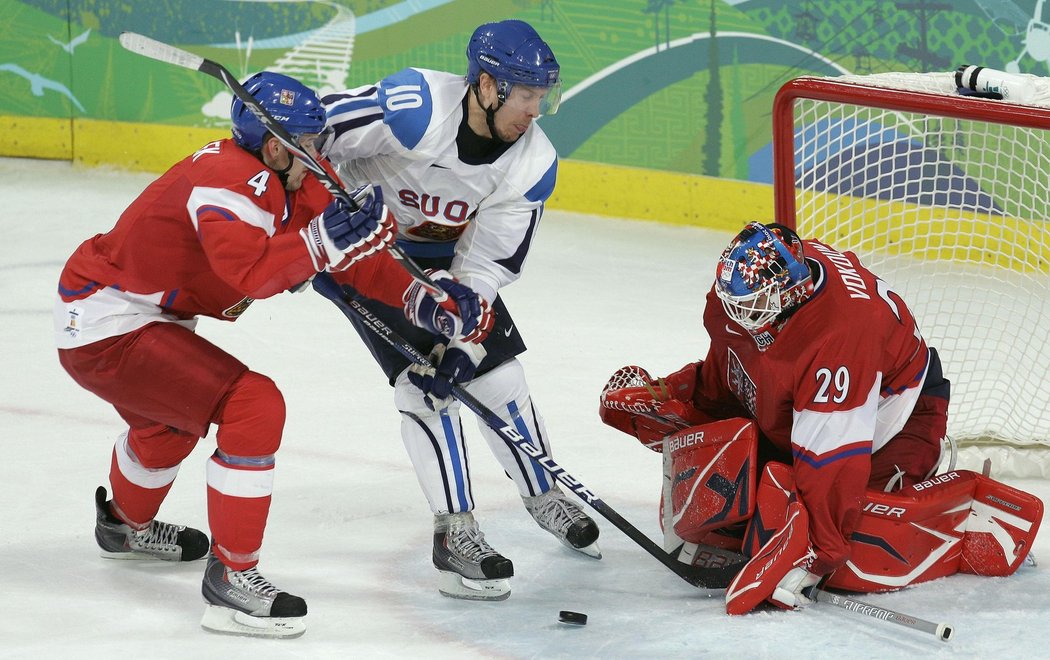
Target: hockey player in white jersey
{"type": "Point", "coordinates": [466, 172]}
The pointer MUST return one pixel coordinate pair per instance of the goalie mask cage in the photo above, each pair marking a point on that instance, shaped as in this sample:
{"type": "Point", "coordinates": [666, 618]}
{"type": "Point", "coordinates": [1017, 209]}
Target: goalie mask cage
{"type": "Point", "coordinates": [946, 198]}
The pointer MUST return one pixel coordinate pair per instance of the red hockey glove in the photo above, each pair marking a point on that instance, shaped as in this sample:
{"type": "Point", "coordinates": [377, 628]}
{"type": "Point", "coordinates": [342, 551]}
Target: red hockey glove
{"type": "Point", "coordinates": [649, 409]}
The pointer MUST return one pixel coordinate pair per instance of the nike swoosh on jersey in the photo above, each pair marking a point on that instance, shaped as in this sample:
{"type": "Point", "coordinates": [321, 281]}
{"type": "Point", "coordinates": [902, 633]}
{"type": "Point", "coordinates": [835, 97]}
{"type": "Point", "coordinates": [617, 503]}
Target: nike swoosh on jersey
{"type": "Point", "coordinates": [506, 333]}
{"type": "Point", "coordinates": [731, 331]}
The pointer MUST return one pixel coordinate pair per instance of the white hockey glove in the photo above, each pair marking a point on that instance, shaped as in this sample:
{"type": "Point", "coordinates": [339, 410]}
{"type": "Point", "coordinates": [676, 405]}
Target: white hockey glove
{"type": "Point", "coordinates": [454, 364]}
{"type": "Point", "coordinates": [790, 591]}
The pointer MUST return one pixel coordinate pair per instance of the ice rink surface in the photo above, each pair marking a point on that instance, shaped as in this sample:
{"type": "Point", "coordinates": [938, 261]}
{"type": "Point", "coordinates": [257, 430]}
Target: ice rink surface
{"type": "Point", "coordinates": [349, 528]}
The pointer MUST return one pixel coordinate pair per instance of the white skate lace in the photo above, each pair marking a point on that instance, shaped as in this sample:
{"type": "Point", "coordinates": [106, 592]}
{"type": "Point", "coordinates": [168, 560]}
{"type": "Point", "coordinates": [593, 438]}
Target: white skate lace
{"type": "Point", "coordinates": [157, 536]}
{"type": "Point", "coordinates": [469, 542]}
{"type": "Point", "coordinates": [250, 580]}
{"type": "Point", "coordinates": [555, 513]}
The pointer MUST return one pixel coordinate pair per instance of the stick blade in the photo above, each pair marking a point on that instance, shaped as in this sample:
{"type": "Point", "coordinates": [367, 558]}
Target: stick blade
{"type": "Point", "coordinates": [157, 50]}
{"type": "Point", "coordinates": [711, 577]}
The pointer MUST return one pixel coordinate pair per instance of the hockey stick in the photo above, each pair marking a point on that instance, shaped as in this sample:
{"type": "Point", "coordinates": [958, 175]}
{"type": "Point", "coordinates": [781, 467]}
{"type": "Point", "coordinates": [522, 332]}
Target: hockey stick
{"type": "Point", "coordinates": [707, 578]}
{"type": "Point", "coordinates": [163, 52]}
{"type": "Point", "coordinates": [943, 631]}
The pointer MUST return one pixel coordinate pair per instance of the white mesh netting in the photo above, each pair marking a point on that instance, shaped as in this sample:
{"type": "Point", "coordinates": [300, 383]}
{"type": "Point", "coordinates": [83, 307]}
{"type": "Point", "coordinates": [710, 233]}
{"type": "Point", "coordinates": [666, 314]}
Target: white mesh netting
{"type": "Point", "coordinates": [952, 212]}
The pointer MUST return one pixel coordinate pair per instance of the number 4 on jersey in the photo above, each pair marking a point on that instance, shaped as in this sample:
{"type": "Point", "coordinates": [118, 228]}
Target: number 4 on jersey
{"type": "Point", "coordinates": [259, 182]}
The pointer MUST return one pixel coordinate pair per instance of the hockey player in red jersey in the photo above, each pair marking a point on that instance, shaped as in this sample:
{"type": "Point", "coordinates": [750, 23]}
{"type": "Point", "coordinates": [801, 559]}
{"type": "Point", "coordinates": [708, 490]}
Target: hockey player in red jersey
{"type": "Point", "coordinates": [829, 364]}
{"type": "Point", "coordinates": [240, 219]}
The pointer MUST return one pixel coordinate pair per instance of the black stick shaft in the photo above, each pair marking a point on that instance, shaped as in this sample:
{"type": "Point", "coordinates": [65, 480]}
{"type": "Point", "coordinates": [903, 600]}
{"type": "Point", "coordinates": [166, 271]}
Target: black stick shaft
{"type": "Point", "coordinates": [163, 52]}
{"type": "Point", "coordinates": [710, 578]}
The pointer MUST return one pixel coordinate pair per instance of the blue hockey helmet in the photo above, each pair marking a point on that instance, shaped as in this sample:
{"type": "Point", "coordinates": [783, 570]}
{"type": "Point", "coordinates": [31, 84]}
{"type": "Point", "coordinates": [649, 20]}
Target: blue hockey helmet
{"type": "Point", "coordinates": [294, 105]}
{"type": "Point", "coordinates": [513, 53]}
{"type": "Point", "coordinates": [761, 275]}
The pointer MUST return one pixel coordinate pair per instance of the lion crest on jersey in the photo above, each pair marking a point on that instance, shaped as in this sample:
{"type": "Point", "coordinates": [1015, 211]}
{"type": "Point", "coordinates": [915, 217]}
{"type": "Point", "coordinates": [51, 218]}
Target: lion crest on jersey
{"type": "Point", "coordinates": [234, 311]}
{"type": "Point", "coordinates": [741, 384]}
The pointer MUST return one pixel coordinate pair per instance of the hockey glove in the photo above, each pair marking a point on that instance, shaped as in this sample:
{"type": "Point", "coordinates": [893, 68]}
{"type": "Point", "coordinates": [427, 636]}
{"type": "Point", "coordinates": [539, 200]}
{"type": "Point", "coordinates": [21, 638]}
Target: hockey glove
{"type": "Point", "coordinates": [464, 314]}
{"type": "Point", "coordinates": [450, 365]}
{"type": "Point", "coordinates": [791, 592]}
{"type": "Point", "coordinates": [647, 408]}
{"type": "Point", "coordinates": [339, 237]}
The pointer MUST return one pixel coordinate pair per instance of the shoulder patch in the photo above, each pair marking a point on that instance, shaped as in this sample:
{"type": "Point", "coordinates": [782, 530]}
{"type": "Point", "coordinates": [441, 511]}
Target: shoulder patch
{"type": "Point", "coordinates": [407, 105]}
{"type": "Point", "coordinates": [545, 186]}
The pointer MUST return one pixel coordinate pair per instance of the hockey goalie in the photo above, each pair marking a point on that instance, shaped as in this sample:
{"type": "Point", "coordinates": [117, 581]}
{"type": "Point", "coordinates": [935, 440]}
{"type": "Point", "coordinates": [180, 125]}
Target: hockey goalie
{"type": "Point", "coordinates": [809, 436]}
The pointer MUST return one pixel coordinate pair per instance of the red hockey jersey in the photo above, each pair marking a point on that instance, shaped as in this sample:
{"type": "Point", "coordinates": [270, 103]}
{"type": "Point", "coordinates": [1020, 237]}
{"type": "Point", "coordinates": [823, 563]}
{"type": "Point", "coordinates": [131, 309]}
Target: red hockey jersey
{"type": "Point", "coordinates": [215, 232]}
{"type": "Point", "coordinates": [836, 383]}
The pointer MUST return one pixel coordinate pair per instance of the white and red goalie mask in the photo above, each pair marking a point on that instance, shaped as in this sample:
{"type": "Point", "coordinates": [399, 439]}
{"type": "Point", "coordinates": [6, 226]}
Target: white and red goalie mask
{"type": "Point", "coordinates": [761, 275]}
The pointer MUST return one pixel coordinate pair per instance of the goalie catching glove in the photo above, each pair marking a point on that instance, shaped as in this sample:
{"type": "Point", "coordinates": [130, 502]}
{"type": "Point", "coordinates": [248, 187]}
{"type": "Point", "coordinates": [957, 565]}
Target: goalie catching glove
{"type": "Point", "coordinates": [339, 237]}
{"type": "Point", "coordinates": [463, 315]}
{"type": "Point", "coordinates": [650, 409]}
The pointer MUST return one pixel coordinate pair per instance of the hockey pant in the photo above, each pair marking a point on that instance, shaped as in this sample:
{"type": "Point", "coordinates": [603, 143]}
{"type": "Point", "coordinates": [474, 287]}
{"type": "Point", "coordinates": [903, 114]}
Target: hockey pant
{"type": "Point", "coordinates": [169, 385]}
{"type": "Point", "coordinates": [435, 442]}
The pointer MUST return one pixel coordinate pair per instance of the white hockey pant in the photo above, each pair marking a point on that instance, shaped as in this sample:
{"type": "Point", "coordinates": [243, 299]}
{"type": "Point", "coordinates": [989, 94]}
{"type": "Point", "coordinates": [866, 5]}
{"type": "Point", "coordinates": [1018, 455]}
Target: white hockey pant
{"type": "Point", "coordinates": [435, 442]}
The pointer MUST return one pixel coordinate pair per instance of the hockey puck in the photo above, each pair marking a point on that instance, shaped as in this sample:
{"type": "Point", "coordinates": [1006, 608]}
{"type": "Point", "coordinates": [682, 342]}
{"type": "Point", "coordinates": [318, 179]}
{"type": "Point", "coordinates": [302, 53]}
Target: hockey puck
{"type": "Point", "coordinates": [572, 618]}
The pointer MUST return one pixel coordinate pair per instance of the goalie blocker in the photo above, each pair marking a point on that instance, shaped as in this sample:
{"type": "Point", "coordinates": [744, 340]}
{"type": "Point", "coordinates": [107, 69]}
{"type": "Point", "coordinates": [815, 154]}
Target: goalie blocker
{"type": "Point", "coordinates": [957, 522]}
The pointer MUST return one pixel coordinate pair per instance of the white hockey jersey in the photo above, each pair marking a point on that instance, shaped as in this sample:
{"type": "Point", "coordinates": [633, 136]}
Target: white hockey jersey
{"type": "Point", "coordinates": [401, 134]}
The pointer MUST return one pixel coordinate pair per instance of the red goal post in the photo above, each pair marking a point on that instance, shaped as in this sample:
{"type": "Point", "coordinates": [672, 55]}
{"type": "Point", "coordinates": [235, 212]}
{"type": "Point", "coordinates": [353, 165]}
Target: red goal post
{"type": "Point", "coordinates": [947, 198]}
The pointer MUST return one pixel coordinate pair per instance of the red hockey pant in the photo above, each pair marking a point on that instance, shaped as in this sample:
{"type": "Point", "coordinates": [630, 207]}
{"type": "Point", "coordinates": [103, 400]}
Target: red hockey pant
{"type": "Point", "coordinates": [169, 385]}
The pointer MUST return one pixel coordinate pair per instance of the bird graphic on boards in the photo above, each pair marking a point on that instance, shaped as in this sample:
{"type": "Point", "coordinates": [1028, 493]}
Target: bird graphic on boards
{"type": "Point", "coordinates": [76, 41]}
{"type": "Point", "coordinates": [38, 83]}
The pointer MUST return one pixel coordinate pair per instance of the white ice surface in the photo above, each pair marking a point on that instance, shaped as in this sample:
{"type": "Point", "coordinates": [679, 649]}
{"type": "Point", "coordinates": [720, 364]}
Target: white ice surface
{"type": "Point", "coordinates": [349, 529]}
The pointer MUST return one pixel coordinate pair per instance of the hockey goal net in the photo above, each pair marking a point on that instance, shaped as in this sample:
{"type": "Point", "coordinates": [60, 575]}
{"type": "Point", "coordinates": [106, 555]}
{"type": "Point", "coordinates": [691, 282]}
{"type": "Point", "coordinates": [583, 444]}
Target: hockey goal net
{"type": "Point", "coordinates": [946, 198]}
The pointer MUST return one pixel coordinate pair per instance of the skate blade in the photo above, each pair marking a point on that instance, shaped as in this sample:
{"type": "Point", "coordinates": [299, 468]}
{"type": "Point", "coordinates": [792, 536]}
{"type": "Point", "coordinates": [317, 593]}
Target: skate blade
{"type": "Point", "coordinates": [592, 550]}
{"type": "Point", "coordinates": [135, 556]}
{"type": "Point", "coordinates": [455, 585]}
{"type": "Point", "coordinates": [226, 621]}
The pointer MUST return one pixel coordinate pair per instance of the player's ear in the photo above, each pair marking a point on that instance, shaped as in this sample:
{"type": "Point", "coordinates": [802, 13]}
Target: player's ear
{"type": "Point", "coordinates": [271, 145]}
{"type": "Point", "coordinates": [487, 85]}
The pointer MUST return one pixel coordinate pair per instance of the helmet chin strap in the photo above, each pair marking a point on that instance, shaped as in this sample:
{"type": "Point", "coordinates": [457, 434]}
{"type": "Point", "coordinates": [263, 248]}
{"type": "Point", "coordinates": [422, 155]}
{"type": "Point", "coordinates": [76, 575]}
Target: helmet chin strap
{"type": "Point", "coordinates": [490, 114]}
{"type": "Point", "coordinates": [282, 173]}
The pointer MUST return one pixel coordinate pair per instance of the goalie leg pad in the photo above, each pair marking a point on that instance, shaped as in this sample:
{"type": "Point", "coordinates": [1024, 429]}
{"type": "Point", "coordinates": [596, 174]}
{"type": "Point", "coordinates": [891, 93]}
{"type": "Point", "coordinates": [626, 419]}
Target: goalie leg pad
{"type": "Point", "coordinates": [1001, 528]}
{"type": "Point", "coordinates": [711, 478]}
{"type": "Point", "coordinates": [789, 548]}
{"type": "Point", "coordinates": [908, 537]}
{"type": "Point", "coordinates": [960, 521]}
{"type": "Point", "coordinates": [776, 489]}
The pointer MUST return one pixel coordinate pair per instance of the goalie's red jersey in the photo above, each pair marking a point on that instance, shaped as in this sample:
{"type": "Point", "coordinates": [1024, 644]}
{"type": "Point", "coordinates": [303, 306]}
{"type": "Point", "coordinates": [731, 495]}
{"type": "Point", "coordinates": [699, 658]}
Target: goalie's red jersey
{"type": "Point", "coordinates": [215, 232]}
{"type": "Point", "coordinates": [837, 382]}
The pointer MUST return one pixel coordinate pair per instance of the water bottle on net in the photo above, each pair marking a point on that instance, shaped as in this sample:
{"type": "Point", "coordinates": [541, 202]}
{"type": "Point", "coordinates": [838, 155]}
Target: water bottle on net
{"type": "Point", "coordinates": [1012, 87]}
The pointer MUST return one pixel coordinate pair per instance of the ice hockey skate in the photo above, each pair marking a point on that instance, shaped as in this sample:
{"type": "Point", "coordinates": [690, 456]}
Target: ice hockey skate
{"type": "Point", "coordinates": [563, 518]}
{"type": "Point", "coordinates": [161, 540]}
{"type": "Point", "coordinates": [245, 603]}
{"type": "Point", "coordinates": [470, 568]}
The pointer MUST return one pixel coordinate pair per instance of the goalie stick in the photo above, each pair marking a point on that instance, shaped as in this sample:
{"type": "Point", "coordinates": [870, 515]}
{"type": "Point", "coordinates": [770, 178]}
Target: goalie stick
{"type": "Point", "coordinates": [163, 52]}
{"type": "Point", "coordinates": [943, 631]}
{"type": "Point", "coordinates": [703, 577]}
